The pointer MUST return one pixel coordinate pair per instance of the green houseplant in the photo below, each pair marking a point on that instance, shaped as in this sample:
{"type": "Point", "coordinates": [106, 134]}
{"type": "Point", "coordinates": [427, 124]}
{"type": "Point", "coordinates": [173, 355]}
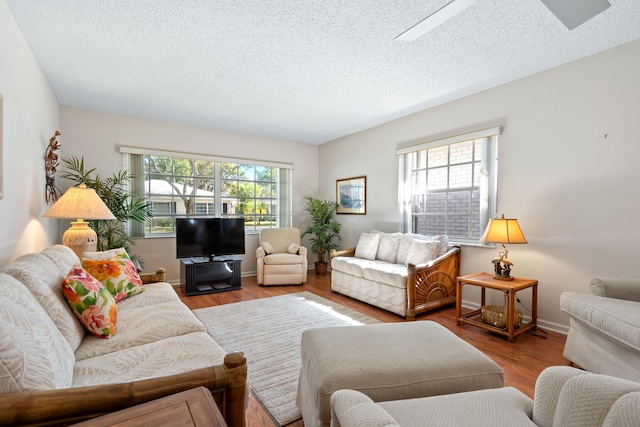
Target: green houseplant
{"type": "Point", "coordinates": [112, 233]}
{"type": "Point", "coordinates": [324, 230]}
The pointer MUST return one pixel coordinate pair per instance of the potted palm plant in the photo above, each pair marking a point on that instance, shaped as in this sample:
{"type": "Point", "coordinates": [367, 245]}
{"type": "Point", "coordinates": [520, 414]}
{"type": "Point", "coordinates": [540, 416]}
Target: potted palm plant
{"type": "Point", "coordinates": [324, 230]}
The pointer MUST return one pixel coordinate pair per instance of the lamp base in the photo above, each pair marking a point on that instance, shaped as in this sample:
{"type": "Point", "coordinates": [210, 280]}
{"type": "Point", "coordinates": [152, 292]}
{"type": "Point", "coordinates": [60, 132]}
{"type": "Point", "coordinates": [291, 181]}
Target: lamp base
{"type": "Point", "coordinates": [80, 238]}
{"type": "Point", "coordinates": [502, 269]}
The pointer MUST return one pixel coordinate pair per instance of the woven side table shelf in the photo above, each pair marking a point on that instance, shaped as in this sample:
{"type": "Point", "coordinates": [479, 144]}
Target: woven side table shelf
{"type": "Point", "coordinates": [496, 315]}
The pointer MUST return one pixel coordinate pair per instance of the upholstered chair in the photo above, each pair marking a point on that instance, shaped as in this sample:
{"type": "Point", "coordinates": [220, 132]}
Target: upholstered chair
{"type": "Point", "coordinates": [281, 260]}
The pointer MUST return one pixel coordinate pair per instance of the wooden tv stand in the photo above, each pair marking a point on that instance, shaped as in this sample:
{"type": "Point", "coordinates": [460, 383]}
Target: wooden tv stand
{"type": "Point", "coordinates": [210, 275]}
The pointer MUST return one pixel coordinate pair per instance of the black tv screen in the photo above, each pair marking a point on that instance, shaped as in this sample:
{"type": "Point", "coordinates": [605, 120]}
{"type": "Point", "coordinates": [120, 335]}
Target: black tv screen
{"type": "Point", "coordinates": [207, 237]}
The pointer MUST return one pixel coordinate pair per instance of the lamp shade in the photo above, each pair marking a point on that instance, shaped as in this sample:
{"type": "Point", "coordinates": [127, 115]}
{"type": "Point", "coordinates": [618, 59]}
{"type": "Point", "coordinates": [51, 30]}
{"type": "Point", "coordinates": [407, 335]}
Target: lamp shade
{"type": "Point", "coordinates": [79, 202]}
{"type": "Point", "coordinates": [503, 230]}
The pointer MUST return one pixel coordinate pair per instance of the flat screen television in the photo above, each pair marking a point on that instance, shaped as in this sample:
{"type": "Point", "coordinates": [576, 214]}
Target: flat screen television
{"type": "Point", "coordinates": [209, 237]}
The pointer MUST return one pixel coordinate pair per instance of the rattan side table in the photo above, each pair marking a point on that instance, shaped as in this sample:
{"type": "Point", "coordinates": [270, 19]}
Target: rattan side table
{"type": "Point", "coordinates": [509, 287]}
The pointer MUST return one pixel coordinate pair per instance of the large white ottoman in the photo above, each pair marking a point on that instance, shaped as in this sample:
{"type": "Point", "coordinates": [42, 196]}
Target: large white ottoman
{"type": "Point", "coordinates": [387, 361]}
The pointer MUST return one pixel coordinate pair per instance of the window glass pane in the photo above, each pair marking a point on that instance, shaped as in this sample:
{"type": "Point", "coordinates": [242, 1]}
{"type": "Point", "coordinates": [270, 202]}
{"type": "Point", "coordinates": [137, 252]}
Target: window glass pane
{"type": "Point", "coordinates": [420, 182]}
{"type": "Point", "coordinates": [437, 179]}
{"type": "Point", "coordinates": [247, 172]}
{"type": "Point", "coordinates": [458, 202]}
{"type": "Point", "coordinates": [436, 203]}
{"type": "Point", "coordinates": [461, 176]}
{"type": "Point", "coordinates": [438, 156]}
{"type": "Point", "coordinates": [461, 152]}
{"type": "Point", "coordinates": [429, 225]}
{"type": "Point", "coordinates": [458, 226]}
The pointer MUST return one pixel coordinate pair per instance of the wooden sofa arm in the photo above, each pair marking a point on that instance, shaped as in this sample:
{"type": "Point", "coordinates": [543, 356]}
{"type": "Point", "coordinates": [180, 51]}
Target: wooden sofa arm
{"type": "Point", "coordinates": [159, 276]}
{"type": "Point", "coordinates": [72, 405]}
{"type": "Point", "coordinates": [345, 252]}
{"type": "Point", "coordinates": [430, 286]}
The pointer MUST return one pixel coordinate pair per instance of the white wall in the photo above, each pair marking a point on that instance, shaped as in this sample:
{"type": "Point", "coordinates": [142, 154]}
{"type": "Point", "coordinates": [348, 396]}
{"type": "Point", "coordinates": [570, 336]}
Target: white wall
{"type": "Point", "coordinates": [31, 117]}
{"type": "Point", "coordinates": [98, 137]}
{"type": "Point", "coordinates": [568, 167]}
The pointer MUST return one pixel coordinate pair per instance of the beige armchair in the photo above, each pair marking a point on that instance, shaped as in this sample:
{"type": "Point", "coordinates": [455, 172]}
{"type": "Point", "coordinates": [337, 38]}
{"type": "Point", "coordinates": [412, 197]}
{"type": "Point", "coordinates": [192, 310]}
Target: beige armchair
{"type": "Point", "coordinates": [280, 258]}
{"type": "Point", "coordinates": [564, 396]}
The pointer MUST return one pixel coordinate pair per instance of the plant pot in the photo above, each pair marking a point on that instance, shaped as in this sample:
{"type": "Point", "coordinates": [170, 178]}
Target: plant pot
{"type": "Point", "coordinates": [321, 268]}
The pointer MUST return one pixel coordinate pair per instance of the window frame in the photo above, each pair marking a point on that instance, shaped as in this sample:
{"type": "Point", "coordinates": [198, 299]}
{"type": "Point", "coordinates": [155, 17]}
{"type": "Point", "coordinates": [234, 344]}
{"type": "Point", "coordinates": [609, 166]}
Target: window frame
{"type": "Point", "coordinates": [281, 180]}
{"type": "Point", "coordinates": [486, 186]}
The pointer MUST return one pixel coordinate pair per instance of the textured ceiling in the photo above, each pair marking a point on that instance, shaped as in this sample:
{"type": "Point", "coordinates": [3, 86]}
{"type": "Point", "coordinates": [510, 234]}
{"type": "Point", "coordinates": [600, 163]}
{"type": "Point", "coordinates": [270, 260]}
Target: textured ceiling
{"type": "Point", "coordinates": [308, 71]}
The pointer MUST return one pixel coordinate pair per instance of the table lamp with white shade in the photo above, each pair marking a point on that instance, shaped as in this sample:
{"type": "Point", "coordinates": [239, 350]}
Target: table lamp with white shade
{"type": "Point", "coordinates": [503, 230]}
{"type": "Point", "coordinates": [80, 203]}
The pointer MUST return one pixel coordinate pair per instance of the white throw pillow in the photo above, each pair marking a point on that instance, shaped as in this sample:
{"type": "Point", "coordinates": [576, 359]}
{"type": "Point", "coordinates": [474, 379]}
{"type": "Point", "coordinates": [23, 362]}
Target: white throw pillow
{"type": "Point", "coordinates": [367, 246]}
{"type": "Point", "coordinates": [444, 243]}
{"type": "Point", "coordinates": [268, 249]}
{"type": "Point", "coordinates": [294, 248]}
{"type": "Point", "coordinates": [422, 251]}
{"type": "Point", "coordinates": [388, 247]}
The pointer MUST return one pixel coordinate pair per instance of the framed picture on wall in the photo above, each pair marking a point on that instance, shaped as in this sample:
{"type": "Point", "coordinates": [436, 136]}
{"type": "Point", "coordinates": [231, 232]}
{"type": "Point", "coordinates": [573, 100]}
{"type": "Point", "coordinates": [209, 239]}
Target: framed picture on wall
{"type": "Point", "coordinates": [351, 195]}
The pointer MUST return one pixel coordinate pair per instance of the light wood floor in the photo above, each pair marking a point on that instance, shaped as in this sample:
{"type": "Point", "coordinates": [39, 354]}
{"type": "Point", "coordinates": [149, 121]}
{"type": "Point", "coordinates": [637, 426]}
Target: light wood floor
{"type": "Point", "coordinates": [522, 360]}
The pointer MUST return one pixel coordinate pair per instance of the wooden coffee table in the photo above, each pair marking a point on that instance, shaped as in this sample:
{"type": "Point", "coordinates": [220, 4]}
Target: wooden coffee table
{"type": "Point", "coordinates": [509, 287]}
{"type": "Point", "coordinates": [194, 407]}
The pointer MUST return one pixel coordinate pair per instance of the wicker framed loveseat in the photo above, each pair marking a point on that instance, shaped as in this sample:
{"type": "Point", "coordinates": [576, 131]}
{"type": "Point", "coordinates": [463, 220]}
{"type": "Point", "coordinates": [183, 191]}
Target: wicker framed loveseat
{"type": "Point", "coordinates": [390, 271]}
{"type": "Point", "coordinates": [55, 371]}
{"type": "Point", "coordinates": [227, 383]}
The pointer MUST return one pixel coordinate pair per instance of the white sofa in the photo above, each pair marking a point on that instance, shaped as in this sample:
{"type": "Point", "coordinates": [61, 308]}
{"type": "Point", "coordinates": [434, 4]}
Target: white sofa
{"type": "Point", "coordinates": [604, 333]}
{"type": "Point", "coordinates": [51, 370]}
{"type": "Point", "coordinates": [406, 274]}
{"type": "Point", "coordinates": [564, 397]}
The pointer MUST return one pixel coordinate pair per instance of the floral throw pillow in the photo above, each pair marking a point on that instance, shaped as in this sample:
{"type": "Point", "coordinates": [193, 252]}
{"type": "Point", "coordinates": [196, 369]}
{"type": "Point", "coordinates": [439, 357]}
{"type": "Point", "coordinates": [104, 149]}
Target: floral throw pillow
{"type": "Point", "coordinates": [92, 304]}
{"type": "Point", "coordinates": [117, 274]}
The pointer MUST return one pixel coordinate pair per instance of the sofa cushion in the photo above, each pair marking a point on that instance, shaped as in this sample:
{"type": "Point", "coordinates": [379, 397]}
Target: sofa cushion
{"type": "Point", "coordinates": [293, 248]}
{"type": "Point", "coordinates": [43, 279]}
{"type": "Point", "coordinates": [388, 247]}
{"type": "Point", "coordinates": [504, 406]}
{"type": "Point", "coordinates": [422, 251]}
{"type": "Point", "coordinates": [154, 293]}
{"type": "Point", "coordinates": [117, 274]}
{"type": "Point", "coordinates": [352, 265]}
{"type": "Point", "coordinates": [142, 325]}
{"type": "Point", "coordinates": [407, 238]}
{"type": "Point", "coordinates": [91, 303]}
{"type": "Point", "coordinates": [33, 353]}
{"type": "Point", "coordinates": [268, 249]}
{"type": "Point", "coordinates": [282, 259]}
{"type": "Point", "coordinates": [158, 358]}
{"type": "Point", "coordinates": [63, 257]}
{"type": "Point", "coordinates": [390, 274]}
{"type": "Point", "coordinates": [618, 319]}
{"type": "Point", "coordinates": [367, 246]}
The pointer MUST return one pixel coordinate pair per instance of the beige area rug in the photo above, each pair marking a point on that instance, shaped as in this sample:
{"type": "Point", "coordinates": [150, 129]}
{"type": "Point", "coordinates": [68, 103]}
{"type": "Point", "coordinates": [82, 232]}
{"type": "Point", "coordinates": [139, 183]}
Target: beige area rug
{"type": "Point", "coordinates": [268, 331]}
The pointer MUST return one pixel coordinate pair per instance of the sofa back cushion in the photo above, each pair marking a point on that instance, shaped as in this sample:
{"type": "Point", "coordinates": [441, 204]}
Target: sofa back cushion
{"type": "Point", "coordinates": [407, 238]}
{"type": "Point", "coordinates": [63, 257]}
{"type": "Point", "coordinates": [388, 246]}
{"type": "Point", "coordinates": [33, 353]}
{"type": "Point", "coordinates": [44, 279]}
{"type": "Point", "coordinates": [367, 246]}
{"type": "Point", "coordinates": [422, 251]}
{"type": "Point", "coordinates": [280, 238]}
